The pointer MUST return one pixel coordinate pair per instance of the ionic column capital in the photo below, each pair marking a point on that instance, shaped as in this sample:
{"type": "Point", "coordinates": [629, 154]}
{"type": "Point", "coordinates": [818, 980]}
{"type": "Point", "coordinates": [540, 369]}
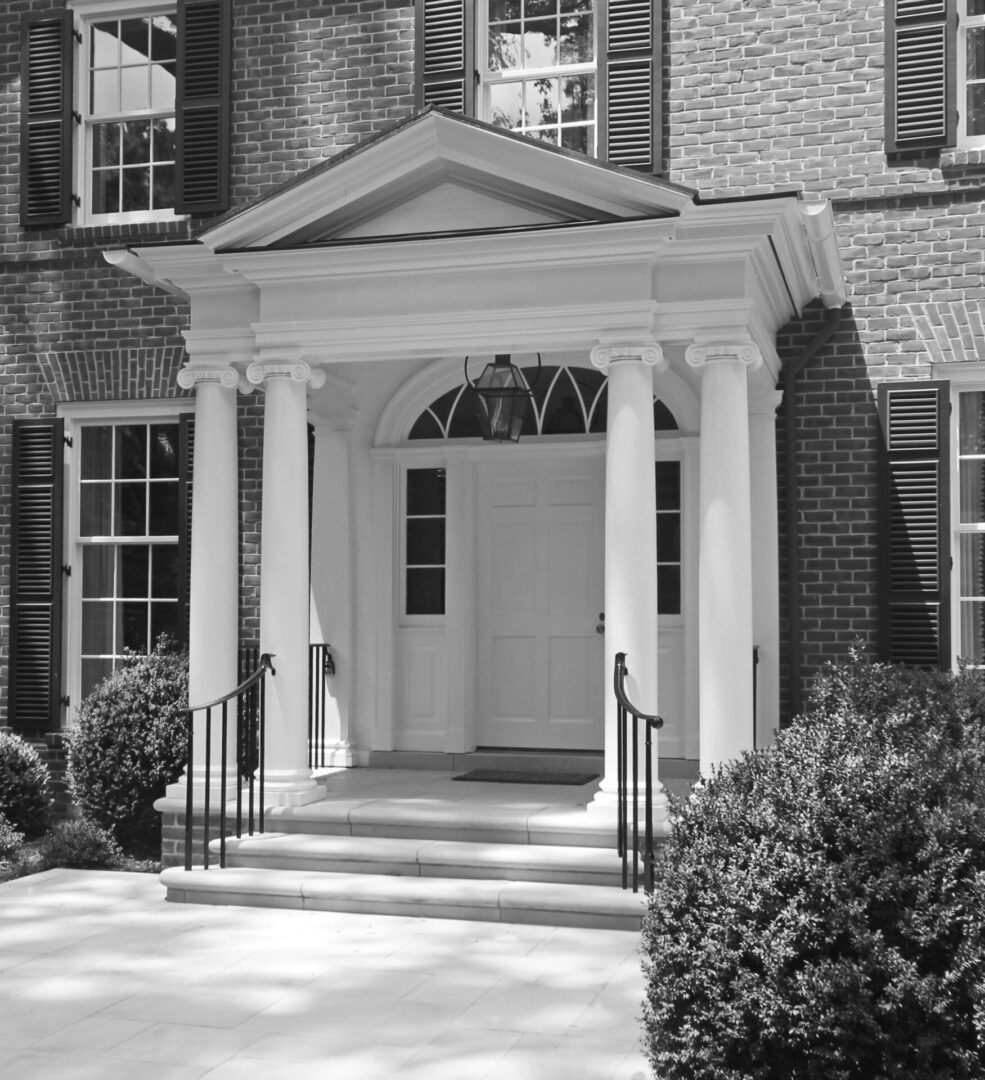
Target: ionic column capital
{"type": "Point", "coordinates": [701, 356]}
{"type": "Point", "coordinates": [604, 356]}
{"type": "Point", "coordinates": [190, 377]}
{"type": "Point", "coordinates": [295, 370]}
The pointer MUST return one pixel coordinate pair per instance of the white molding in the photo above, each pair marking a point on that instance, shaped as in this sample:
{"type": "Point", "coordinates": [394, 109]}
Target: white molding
{"type": "Point", "coordinates": [701, 356]}
{"type": "Point", "coordinates": [604, 356]}
{"type": "Point", "coordinates": [295, 370]}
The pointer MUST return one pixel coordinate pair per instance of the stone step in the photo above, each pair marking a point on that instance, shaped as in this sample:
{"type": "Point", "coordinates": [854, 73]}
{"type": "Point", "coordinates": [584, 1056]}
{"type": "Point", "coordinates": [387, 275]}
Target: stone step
{"type": "Point", "coordinates": [424, 819]}
{"type": "Point", "coordinates": [487, 900]}
{"type": "Point", "coordinates": [414, 857]}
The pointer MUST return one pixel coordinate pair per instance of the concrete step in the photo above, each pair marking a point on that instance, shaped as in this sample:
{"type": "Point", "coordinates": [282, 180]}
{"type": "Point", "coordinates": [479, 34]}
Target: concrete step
{"type": "Point", "coordinates": [487, 900]}
{"type": "Point", "coordinates": [413, 857]}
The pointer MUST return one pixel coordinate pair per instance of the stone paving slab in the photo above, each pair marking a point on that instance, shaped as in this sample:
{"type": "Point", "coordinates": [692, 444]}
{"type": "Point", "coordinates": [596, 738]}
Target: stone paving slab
{"type": "Point", "coordinates": [100, 978]}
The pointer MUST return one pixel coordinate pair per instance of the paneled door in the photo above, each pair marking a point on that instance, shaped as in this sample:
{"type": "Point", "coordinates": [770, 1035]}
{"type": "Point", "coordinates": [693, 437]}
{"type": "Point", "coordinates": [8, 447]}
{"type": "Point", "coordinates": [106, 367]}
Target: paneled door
{"type": "Point", "coordinates": [540, 662]}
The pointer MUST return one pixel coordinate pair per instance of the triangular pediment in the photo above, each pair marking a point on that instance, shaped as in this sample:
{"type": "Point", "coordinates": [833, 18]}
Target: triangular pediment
{"type": "Point", "coordinates": [436, 174]}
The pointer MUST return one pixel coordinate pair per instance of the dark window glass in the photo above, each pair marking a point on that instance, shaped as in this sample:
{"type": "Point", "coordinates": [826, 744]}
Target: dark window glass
{"type": "Point", "coordinates": [426, 427]}
{"type": "Point", "coordinates": [163, 450]}
{"type": "Point", "coordinates": [164, 572]}
{"type": "Point", "coordinates": [95, 510]}
{"type": "Point", "coordinates": [131, 452]}
{"type": "Point", "coordinates": [668, 590]}
{"type": "Point", "coordinates": [663, 418]}
{"type": "Point", "coordinates": [425, 491]}
{"type": "Point", "coordinates": [669, 537]}
{"type": "Point", "coordinates": [97, 453]}
{"type": "Point", "coordinates": [134, 560]}
{"type": "Point", "coordinates": [426, 541]}
{"type": "Point", "coordinates": [133, 622]}
{"type": "Point", "coordinates": [465, 420]}
{"type": "Point", "coordinates": [131, 510]}
{"type": "Point", "coordinates": [668, 475]}
{"type": "Point", "coordinates": [426, 591]}
{"type": "Point", "coordinates": [163, 508]}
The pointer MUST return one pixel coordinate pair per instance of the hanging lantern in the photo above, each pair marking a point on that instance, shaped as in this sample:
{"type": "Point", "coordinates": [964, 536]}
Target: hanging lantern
{"type": "Point", "coordinates": [503, 398]}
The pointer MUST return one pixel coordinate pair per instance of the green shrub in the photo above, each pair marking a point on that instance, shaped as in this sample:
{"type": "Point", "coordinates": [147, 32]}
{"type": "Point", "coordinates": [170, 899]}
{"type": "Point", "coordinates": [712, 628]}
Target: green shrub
{"type": "Point", "coordinates": [129, 744]}
{"type": "Point", "coordinates": [10, 840]}
{"type": "Point", "coordinates": [821, 906]}
{"type": "Point", "coordinates": [23, 785]}
{"type": "Point", "coordinates": [80, 844]}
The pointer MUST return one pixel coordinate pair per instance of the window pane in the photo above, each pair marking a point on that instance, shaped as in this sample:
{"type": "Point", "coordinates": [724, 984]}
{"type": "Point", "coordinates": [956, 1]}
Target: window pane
{"type": "Point", "coordinates": [163, 38]}
{"type": "Point", "coordinates": [163, 620]}
{"type": "Point", "coordinates": [426, 427]}
{"type": "Point", "coordinates": [575, 138]}
{"type": "Point", "coordinates": [971, 413]}
{"type": "Point", "coordinates": [973, 632]}
{"type": "Point", "coordinates": [501, 10]}
{"type": "Point", "coordinates": [131, 452]}
{"type": "Point", "coordinates": [972, 498]}
{"type": "Point", "coordinates": [162, 84]}
{"type": "Point", "coordinates": [669, 537]}
{"type": "Point", "coordinates": [668, 476]}
{"type": "Point", "coordinates": [163, 187]}
{"type": "Point", "coordinates": [134, 89]}
{"type": "Point", "coordinates": [425, 491]}
{"type": "Point", "coordinates": [131, 516]}
{"type": "Point", "coordinates": [972, 555]}
{"type": "Point", "coordinates": [425, 592]}
{"type": "Point", "coordinates": [163, 132]}
{"type": "Point", "coordinates": [163, 508]}
{"type": "Point", "coordinates": [163, 450]}
{"type": "Point", "coordinates": [976, 7]}
{"type": "Point", "coordinates": [540, 43]}
{"type": "Point", "coordinates": [668, 590]}
{"type": "Point", "coordinates": [134, 565]}
{"type": "Point", "coordinates": [504, 47]}
{"type": "Point", "coordinates": [541, 101]}
{"type": "Point", "coordinates": [95, 509]}
{"type": "Point", "coordinates": [577, 98]}
{"type": "Point", "coordinates": [136, 189]}
{"type": "Point", "coordinates": [97, 453]}
{"type": "Point", "coordinates": [506, 104]}
{"type": "Point", "coordinates": [106, 145]}
{"type": "Point", "coordinates": [976, 53]}
{"type": "Point", "coordinates": [577, 43]}
{"type": "Point", "coordinates": [105, 45]}
{"type": "Point", "coordinates": [426, 541]}
{"type": "Point", "coordinates": [97, 571]}
{"type": "Point", "coordinates": [93, 673]}
{"type": "Point", "coordinates": [133, 625]}
{"type": "Point", "coordinates": [533, 8]}
{"type": "Point", "coordinates": [106, 192]}
{"type": "Point", "coordinates": [97, 627]}
{"type": "Point", "coordinates": [104, 92]}
{"type": "Point", "coordinates": [976, 109]}
{"type": "Point", "coordinates": [136, 142]}
{"type": "Point", "coordinates": [164, 571]}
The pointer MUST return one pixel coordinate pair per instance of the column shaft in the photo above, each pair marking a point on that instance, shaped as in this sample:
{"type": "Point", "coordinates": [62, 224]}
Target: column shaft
{"type": "Point", "coordinates": [725, 557]}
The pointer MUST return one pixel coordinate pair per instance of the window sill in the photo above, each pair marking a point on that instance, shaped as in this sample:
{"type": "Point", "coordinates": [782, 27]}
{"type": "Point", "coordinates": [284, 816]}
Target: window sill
{"type": "Point", "coordinates": [969, 159]}
{"type": "Point", "coordinates": [144, 231]}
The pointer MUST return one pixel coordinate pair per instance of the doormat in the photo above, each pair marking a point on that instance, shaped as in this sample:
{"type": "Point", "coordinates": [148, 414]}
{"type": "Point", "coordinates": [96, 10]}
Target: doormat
{"type": "Point", "coordinates": [516, 776]}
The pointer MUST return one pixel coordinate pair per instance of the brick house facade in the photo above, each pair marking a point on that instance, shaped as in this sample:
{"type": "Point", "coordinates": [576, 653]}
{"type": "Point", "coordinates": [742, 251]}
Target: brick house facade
{"type": "Point", "coordinates": [752, 102]}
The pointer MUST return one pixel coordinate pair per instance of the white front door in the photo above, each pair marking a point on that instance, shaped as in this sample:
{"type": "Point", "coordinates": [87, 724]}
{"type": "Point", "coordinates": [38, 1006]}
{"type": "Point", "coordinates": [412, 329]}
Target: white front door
{"type": "Point", "coordinates": [540, 662]}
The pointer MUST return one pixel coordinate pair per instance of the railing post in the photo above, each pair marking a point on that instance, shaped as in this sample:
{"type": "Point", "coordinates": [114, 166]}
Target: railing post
{"type": "Point", "coordinates": [189, 832]}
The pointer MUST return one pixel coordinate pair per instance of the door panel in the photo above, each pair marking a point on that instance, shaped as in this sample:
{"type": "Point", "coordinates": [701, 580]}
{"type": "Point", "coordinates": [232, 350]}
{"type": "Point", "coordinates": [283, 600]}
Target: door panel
{"type": "Point", "coordinates": [540, 562]}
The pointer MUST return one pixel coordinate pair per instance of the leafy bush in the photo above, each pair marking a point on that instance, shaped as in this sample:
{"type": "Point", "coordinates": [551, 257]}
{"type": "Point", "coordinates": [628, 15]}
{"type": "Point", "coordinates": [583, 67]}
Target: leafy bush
{"type": "Point", "coordinates": [10, 840]}
{"type": "Point", "coordinates": [80, 844]}
{"type": "Point", "coordinates": [129, 744]}
{"type": "Point", "coordinates": [23, 785]}
{"type": "Point", "coordinates": [821, 908]}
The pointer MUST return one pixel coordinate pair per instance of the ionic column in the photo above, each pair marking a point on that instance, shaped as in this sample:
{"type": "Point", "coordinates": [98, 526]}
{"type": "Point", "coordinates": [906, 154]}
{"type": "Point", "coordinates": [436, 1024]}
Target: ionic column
{"type": "Point", "coordinates": [284, 581]}
{"type": "Point", "coordinates": [213, 642]}
{"type": "Point", "coordinates": [630, 544]}
{"type": "Point", "coordinates": [725, 611]}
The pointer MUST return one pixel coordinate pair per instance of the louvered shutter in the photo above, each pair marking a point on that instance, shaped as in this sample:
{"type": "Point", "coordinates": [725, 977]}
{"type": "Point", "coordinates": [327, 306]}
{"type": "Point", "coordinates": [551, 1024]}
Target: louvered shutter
{"type": "Point", "coordinates": [186, 455]}
{"type": "Point", "coordinates": [921, 91]}
{"type": "Point", "coordinates": [630, 85]}
{"type": "Point", "coordinates": [914, 554]}
{"type": "Point", "coordinates": [47, 49]}
{"type": "Point", "coordinates": [203, 108]}
{"type": "Point", "coordinates": [36, 576]}
{"type": "Point", "coordinates": [445, 67]}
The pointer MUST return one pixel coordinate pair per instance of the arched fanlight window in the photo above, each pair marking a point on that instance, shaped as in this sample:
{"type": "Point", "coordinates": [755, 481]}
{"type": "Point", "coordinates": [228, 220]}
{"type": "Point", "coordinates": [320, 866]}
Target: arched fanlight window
{"type": "Point", "coordinates": [566, 401]}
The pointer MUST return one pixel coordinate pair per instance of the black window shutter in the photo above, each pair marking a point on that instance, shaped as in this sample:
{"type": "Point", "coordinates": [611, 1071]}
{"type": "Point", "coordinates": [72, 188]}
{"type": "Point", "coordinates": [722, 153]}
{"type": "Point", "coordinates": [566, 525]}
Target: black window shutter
{"type": "Point", "coordinates": [921, 112]}
{"type": "Point", "coordinates": [203, 106]}
{"type": "Point", "coordinates": [186, 455]}
{"type": "Point", "coordinates": [47, 50]}
{"type": "Point", "coordinates": [34, 692]}
{"type": "Point", "coordinates": [914, 549]}
{"type": "Point", "coordinates": [630, 92]}
{"type": "Point", "coordinates": [445, 43]}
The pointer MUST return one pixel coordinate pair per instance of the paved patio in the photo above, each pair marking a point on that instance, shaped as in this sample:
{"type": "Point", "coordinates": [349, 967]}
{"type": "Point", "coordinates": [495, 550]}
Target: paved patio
{"type": "Point", "coordinates": [101, 979]}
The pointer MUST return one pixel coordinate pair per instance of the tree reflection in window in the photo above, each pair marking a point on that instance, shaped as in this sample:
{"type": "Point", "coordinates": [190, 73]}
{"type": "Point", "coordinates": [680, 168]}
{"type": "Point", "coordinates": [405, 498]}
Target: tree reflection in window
{"type": "Point", "coordinates": [566, 401]}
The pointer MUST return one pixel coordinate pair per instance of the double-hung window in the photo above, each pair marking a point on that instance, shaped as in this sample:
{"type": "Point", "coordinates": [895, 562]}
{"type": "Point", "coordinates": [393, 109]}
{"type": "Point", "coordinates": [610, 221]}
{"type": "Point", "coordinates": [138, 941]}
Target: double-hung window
{"type": "Point", "coordinates": [125, 111]}
{"type": "Point", "coordinates": [583, 75]}
{"type": "Point", "coordinates": [935, 75]}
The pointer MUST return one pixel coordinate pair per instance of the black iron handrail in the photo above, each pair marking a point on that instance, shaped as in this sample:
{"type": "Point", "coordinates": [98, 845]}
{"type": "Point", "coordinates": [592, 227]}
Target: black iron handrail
{"type": "Point", "coordinates": [250, 709]}
{"type": "Point", "coordinates": [626, 733]}
{"type": "Point", "coordinates": [321, 664]}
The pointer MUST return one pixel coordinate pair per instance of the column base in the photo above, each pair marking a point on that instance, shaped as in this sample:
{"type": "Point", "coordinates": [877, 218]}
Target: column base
{"type": "Point", "coordinates": [286, 788]}
{"type": "Point", "coordinates": [605, 804]}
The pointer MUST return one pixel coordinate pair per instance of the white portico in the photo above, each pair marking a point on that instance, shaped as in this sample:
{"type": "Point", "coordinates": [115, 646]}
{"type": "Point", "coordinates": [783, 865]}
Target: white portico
{"type": "Point", "coordinates": [350, 299]}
